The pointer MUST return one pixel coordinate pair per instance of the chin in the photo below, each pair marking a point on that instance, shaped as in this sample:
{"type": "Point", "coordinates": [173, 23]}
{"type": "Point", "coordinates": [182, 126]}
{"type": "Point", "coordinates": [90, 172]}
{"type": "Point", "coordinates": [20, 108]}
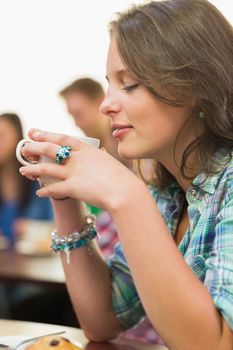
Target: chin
{"type": "Point", "coordinates": [129, 153]}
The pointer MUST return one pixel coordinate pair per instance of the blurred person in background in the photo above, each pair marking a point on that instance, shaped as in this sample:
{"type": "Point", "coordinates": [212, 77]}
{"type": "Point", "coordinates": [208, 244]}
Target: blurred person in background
{"type": "Point", "coordinates": [18, 202]}
{"type": "Point", "coordinates": [19, 208]}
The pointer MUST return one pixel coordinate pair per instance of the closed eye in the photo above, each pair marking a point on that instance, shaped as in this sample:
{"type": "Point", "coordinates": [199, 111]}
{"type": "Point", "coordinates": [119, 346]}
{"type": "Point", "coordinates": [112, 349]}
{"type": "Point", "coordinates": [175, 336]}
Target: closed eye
{"type": "Point", "coordinates": [130, 87]}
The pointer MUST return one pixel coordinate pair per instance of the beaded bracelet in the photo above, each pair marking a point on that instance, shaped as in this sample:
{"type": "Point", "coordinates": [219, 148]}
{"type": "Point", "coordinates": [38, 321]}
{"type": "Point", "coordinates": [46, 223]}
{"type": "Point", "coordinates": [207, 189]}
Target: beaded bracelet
{"type": "Point", "coordinates": [74, 240]}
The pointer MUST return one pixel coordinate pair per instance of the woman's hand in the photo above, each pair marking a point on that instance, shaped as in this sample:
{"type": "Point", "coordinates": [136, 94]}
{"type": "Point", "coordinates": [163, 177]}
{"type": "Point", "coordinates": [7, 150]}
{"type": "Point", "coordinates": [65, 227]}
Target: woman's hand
{"type": "Point", "coordinates": [90, 174]}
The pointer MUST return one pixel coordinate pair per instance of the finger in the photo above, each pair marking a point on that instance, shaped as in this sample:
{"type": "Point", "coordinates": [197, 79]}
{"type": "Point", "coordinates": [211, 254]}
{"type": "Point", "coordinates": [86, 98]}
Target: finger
{"type": "Point", "coordinates": [55, 190]}
{"type": "Point", "coordinates": [59, 139]}
{"type": "Point", "coordinates": [33, 149]}
{"type": "Point", "coordinates": [32, 158]}
{"type": "Point", "coordinates": [31, 131]}
{"type": "Point", "coordinates": [45, 169]}
{"type": "Point", "coordinates": [32, 178]}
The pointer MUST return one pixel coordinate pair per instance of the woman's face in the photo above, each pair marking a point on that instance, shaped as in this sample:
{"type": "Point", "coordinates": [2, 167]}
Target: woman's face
{"type": "Point", "coordinates": [8, 141]}
{"type": "Point", "coordinates": [144, 126]}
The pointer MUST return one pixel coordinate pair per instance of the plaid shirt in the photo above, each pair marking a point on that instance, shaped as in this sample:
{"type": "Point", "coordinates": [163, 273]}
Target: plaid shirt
{"type": "Point", "coordinates": [107, 240]}
{"type": "Point", "coordinates": [107, 233]}
{"type": "Point", "coordinates": [207, 246]}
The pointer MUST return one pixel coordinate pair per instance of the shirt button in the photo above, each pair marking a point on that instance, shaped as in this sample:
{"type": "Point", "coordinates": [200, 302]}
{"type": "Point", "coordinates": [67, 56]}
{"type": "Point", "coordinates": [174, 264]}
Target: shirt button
{"type": "Point", "coordinates": [193, 192]}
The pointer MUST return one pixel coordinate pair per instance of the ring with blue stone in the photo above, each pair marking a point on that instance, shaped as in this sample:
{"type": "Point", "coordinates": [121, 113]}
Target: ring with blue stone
{"type": "Point", "coordinates": [63, 153]}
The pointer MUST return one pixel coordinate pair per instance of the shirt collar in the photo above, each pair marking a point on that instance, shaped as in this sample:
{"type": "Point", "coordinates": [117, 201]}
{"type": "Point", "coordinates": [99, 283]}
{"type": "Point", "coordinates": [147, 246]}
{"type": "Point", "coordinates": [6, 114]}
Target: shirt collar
{"type": "Point", "coordinates": [209, 183]}
{"type": "Point", "coordinates": [202, 183]}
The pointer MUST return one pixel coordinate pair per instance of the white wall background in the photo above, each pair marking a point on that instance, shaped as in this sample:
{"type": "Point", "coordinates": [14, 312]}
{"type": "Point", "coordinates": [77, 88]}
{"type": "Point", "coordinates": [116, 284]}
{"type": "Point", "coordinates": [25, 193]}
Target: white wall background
{"type": "Point", "coordinates": [45, 45]}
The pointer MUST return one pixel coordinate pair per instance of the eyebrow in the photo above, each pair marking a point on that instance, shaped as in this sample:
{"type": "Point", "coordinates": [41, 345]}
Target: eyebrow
{"type": "Point", "coordinates": [120, 73]}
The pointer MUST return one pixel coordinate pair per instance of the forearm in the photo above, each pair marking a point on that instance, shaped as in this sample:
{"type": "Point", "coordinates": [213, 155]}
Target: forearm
{"type": "Point", "coordinates": [178, 305]}
{"type": "Point", "coordinates": [87, 277]}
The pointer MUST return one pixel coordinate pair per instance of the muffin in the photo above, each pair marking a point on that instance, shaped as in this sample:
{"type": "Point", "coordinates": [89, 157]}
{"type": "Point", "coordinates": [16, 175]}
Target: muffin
{"type": "Point", "coordinates": [52, 343]}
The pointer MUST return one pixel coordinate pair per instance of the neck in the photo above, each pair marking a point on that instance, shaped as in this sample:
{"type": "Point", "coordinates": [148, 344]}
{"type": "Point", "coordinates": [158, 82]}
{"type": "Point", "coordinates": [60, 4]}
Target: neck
{"type": "Point", "coordinates": [172, 160]}
{"type": "Point", "coordinates": [174, 167]}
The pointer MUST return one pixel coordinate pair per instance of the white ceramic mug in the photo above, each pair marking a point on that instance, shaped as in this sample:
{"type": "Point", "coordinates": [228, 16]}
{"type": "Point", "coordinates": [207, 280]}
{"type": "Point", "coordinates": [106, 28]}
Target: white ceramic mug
{"type": "Point", "coordinates": [45, 180]}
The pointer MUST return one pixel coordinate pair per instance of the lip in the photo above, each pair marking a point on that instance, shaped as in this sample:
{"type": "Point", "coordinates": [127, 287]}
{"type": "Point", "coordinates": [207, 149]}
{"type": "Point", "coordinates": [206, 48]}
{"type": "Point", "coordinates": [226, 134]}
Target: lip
{"type": "Point", "coordinates": [121, 131]}
{"type": "Point", "coordinates": [120, 126]}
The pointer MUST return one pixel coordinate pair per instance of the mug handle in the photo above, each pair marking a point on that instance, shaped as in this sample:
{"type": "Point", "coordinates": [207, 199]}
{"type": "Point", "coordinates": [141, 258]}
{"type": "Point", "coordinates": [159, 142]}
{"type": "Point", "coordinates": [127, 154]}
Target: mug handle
{"type": "Point", "coordinates": [18, 153]}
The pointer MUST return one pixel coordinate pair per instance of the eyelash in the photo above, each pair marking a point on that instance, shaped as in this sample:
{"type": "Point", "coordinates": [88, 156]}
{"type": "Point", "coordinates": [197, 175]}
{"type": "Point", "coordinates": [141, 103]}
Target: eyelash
{"type": "Point", "coordinates": [130, 87]}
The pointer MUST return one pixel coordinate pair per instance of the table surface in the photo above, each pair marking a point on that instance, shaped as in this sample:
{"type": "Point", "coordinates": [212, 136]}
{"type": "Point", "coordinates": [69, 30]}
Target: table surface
{"type": "Point", "coordinates": [22, 328]}
{"type": "Point", "coordinates": [46, 269]}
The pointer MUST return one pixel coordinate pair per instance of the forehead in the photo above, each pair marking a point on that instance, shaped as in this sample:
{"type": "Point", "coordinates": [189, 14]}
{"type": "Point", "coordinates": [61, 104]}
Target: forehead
{"type": "Point", "coordinates": [114, 62]}
{"type": "Point", "coordinates": [78, 98]}
{"type": "Point", "coordinates": [6, 125]}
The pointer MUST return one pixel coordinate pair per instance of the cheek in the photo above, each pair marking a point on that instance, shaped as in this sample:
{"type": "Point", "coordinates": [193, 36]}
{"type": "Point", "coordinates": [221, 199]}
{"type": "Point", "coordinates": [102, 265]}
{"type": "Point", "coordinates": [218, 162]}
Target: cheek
{"type": "Point", "coordinates": [153, 119]}
{"type": "Point", "coordinates": [142, 112]}
{"type": "Point", "coordinates": [7, 151]}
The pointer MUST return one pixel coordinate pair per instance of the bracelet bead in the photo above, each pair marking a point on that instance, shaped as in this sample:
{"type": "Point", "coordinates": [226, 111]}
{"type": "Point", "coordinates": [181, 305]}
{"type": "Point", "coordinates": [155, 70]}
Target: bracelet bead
{"type": "Point", "coordinates": [74, 240]}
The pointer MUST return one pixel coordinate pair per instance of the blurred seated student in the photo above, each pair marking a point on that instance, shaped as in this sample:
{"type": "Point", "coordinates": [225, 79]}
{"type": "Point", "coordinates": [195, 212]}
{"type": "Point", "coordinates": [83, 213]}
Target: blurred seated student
{"type": "Point", "coordinates": [18, 202]}
{"type": "Point", "coordinates": [19, 207]}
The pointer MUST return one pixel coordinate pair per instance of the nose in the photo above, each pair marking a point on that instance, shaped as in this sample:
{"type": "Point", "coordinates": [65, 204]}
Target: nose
{"type": "Point", "coordinates": [109, 106]}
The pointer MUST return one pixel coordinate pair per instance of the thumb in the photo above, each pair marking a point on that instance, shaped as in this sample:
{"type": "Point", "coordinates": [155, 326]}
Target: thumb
{"type": "Point", "coordinates": [57, 190]}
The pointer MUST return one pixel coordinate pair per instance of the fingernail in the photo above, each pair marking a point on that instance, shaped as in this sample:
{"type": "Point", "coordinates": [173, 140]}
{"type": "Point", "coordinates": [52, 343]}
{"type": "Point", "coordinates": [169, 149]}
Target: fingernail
{"type": "Point", "coordinates": [36, 135]}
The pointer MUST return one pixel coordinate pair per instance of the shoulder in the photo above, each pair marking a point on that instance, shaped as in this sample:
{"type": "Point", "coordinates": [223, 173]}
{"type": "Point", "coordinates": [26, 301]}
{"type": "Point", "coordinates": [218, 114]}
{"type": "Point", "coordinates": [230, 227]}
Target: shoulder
{"type": "Point", "coordinates": [221, 181]}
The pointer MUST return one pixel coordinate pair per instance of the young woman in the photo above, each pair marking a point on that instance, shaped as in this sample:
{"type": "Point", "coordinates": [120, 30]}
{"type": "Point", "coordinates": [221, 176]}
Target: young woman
{"type": "Point", "coordinates": [18, 202]}
{"type": "Point", "coordinates": [170, 74]}
{"type": "Point", "coordinates": [18, 206]}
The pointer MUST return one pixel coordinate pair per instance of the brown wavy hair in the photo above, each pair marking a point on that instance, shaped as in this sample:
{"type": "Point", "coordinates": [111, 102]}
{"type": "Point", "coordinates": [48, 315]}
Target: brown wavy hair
{"type": "Point", "coordinates": [25, 185]}
{"type": "Point", "coordinates": [183, 48]}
